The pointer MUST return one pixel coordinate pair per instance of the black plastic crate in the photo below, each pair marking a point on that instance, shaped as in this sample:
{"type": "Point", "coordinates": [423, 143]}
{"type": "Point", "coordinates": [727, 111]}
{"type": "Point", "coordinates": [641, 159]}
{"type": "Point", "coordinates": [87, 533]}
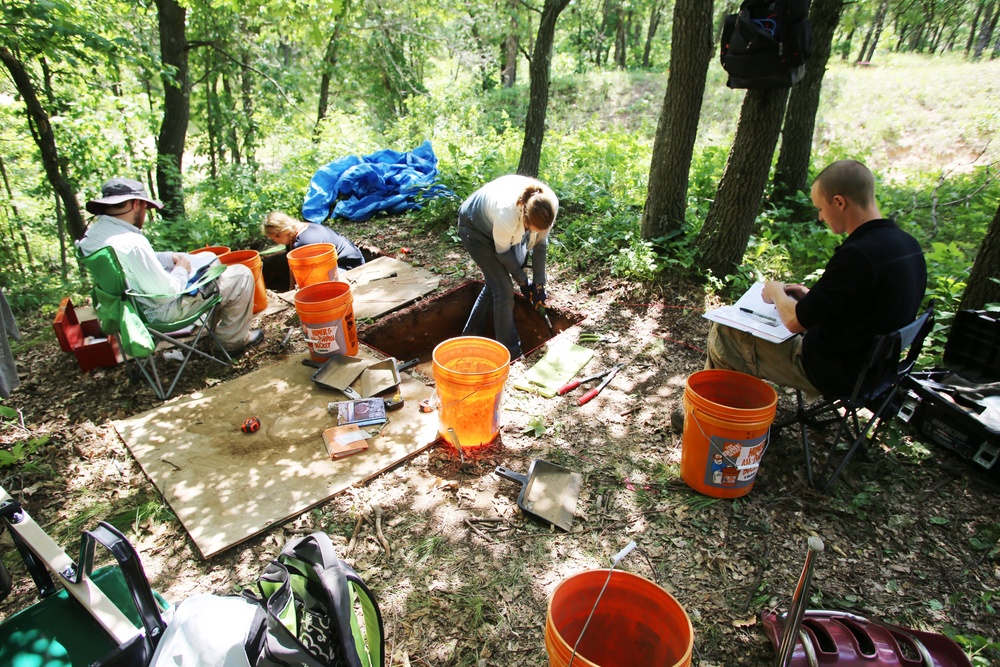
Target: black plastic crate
{"type": "Point", "coordinates": [972, 353]}
{"type": "Point", "coordinates": [937, 419]}
{"type": "Point", "coordinates": [973, 347]}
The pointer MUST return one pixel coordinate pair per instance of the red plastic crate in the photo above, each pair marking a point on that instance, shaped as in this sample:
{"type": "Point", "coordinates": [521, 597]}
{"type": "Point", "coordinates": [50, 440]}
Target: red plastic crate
{"type": "Point", "coordinates": [79, 332]}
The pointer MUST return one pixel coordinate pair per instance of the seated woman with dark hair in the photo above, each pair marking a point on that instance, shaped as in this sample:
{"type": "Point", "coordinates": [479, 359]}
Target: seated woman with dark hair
{"type": "Point", "coordinates": [286, 230]}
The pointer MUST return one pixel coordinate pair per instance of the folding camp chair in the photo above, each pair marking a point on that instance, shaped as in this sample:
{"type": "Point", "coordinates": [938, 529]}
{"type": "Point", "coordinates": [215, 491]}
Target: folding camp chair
{"type": "Point", "coordinates": [119, 314]}
{"type": "Point", "coordinates": [877, 389]}
{"type": "Point", "coordinates": [104, 617]}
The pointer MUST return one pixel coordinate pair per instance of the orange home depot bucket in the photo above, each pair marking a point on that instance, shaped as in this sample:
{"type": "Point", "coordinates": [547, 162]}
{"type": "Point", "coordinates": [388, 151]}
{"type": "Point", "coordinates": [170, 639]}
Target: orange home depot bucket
{"type": "Point", "coordinates": [469, 374]}
{"type": "Point", "coordinates": [314, 263]}
{"type": "Point", "coordinates": [327, 314]}
{"type": "Point", "coordinates": [727, 417]}
{"type": "Point", "coordinates": [251, 260]}
{"type": "Point", "coordinates": [635, 623]}
{"type": "Point", "coordinates": [214, 249]}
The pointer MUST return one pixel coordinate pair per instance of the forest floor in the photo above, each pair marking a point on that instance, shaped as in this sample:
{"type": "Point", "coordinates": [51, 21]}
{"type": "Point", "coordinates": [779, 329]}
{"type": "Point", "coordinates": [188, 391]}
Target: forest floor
{"type": "Point", "coordinates": [911, 534]}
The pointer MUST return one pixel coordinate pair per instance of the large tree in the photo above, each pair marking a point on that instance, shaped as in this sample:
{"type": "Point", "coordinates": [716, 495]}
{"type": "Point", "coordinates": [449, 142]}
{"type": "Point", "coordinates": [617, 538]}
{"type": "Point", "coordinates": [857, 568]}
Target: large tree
{"type": "Point", "coordinates": [176, 107]}
{"type": "Point", "coordinates": [982, 288]}
{"type": "Point", "coordinates": [690, 53]}
{"type": "Point", "coordinates": [729, 223]}
{"type": "Point", "coordinates": [792, 173]}
{"type": "Point", "coordinates": [538, 96]}
{"type": "Point", "coordinates": [41, 130]}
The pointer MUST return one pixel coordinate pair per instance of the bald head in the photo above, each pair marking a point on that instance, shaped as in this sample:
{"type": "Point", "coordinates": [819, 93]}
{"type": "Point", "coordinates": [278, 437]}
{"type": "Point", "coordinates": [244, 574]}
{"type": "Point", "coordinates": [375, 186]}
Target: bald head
{"type": "Point", "coordinates": [849, 179]}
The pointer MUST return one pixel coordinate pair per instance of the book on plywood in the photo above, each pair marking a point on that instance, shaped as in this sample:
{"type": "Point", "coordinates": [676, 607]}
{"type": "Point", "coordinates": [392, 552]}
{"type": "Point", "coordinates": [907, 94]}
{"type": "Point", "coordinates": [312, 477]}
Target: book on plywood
{"type": "Point", "coordinates": [365, 412]}
{"type": "Point", "coordinates": [342, 441]}
{"type": "Point", "coordinates": [752, 315]}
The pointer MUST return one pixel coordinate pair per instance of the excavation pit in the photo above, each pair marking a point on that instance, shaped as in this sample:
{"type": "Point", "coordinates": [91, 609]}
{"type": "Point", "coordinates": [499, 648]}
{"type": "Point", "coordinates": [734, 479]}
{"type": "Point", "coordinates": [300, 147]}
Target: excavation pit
{"type": "Point", "coordinates": [413, 333]}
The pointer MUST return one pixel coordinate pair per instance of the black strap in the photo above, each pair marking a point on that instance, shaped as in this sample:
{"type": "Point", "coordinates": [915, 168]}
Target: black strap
{"type": "Point", "coordinates": [12, 514]}
{"type": "Point", "coordinates": [257, 633]}
{"type": "Point", "coordinates": [135, 577]}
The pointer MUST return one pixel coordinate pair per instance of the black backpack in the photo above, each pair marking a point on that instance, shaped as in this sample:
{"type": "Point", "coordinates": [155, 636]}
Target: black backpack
{"type": "Point", "coordinates": [767, 43]}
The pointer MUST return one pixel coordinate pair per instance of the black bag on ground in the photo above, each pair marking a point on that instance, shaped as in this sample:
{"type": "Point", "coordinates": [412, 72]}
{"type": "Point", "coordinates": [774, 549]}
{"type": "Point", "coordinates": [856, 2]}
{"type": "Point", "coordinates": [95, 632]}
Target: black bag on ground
{"type": "Point", "coordinates": [767, 43]}
{"type": "Point", "coordinates": [306, 612]}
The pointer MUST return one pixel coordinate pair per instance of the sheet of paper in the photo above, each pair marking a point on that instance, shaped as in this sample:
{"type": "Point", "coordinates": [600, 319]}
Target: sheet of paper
{"type": "Point", "coordinates": [752, 315]}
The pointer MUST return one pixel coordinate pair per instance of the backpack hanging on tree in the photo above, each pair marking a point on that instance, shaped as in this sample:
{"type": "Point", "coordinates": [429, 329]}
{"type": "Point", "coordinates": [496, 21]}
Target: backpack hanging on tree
{"type": "Point", "coordinates": [767, 43]}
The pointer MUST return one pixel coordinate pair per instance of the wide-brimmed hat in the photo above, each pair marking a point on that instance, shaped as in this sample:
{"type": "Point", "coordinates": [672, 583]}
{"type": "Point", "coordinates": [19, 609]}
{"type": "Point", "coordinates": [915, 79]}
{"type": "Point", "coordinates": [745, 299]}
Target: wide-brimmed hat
{"type": "Point", "coordinates": [118, 190]}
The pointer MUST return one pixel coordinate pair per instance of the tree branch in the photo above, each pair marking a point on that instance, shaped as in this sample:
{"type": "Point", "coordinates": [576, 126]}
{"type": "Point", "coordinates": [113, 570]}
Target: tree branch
{"type": "Point", "coordinates": [257, 71]}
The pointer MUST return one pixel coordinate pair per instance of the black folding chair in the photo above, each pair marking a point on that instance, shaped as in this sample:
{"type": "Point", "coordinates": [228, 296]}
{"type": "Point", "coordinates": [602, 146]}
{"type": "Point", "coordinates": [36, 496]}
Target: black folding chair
{"type": "Point", "coordinates": [877, 389]}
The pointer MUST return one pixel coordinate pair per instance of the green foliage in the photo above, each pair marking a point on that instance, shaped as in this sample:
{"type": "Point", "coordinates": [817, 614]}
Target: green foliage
{"type": "Point", "coordinates": [536, 426]}
{"type": "Point", "coordinates": [983, 652]}
{"type": "Point", "coordinates": [20, 450]}
{"type": "Point", "coordinates": [987, 540]}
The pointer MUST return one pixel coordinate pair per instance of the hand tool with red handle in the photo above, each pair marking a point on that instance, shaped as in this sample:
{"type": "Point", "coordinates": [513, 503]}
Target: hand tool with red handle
{"type": "Point", "coordinates": [606, 374]}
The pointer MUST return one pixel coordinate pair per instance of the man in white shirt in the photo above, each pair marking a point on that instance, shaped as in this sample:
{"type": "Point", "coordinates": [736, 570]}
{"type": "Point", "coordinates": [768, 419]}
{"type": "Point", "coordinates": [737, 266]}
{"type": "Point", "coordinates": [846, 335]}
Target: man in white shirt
{"type": "Point", "coordinates": [121, 212]}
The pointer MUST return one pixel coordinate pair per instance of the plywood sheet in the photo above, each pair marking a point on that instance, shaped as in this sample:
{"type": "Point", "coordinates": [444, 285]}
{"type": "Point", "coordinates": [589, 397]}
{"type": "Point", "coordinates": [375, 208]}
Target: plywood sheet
{"type": "Point", "coordinates": [226, 486]}
{"type": "Point", "coordinates": [377, 292]}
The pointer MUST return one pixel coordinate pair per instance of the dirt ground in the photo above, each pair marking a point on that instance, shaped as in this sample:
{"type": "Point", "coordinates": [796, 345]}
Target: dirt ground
{"type": "Point", "coordinates": [463, 577]}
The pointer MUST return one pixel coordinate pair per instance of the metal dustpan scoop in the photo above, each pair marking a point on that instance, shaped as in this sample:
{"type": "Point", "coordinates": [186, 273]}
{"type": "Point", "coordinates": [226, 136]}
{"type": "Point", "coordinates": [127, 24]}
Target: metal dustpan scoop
{"type": "Point", "coordinates": [548, 492]}
{"type": "Point", "coordinates": [339, 372]}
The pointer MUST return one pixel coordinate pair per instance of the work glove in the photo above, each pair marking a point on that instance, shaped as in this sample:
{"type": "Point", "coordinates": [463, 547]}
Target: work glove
{"type": "Point", "coordinates": [538, 296]}
{"type": "Point", "coordinates": [527, 289]}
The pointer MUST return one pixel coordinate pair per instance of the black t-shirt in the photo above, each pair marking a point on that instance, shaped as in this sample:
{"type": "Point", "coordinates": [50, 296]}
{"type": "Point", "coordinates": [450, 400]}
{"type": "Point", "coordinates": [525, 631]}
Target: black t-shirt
{"type": "Point", "coordinates": [872, 285]}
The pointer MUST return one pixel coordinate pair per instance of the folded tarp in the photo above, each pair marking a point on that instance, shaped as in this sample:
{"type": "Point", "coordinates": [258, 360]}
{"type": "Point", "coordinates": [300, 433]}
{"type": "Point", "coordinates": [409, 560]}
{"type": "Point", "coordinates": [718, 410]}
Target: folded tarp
{"type": "Point", "coordinates": [357, 188]}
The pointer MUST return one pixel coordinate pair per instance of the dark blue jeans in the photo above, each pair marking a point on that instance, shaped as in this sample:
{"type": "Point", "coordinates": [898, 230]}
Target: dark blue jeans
{"type": "Point", "coordinates": [498, 293]}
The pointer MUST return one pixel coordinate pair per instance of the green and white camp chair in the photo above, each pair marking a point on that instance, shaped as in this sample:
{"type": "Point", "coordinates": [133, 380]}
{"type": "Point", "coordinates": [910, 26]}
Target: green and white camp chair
{"type": "Point", "coordinates": [120, 315]}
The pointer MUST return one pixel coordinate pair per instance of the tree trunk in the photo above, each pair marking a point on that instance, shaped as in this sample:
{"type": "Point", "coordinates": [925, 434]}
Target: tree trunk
{"type": "Point", "coordinates": [250, 135]}
{"type": "Point", "coordinates": [176, 107]}
{"type": "Point", "coordinates": [846, 49]}
{"type": "Point", "coordinates": [690, 53]}
{"type": "Point", "coordinates": [986, 32]}
{"type": "Point", "coordinates": [879, 23]}
{"type": "Point", "coordinates": [654, 23]}
{"type": "Point", "coordinates": [212, 124]}
{"type": "Point", "coordinates": [620, 42]}
{"type": "Point", "coordinates": [538, 96]}
{"type": "Point", "coordinates": [792, 172]}
{"type": "Point", "coordinates": [328, 65]}
{"type": "Point", "coordinates": [16, 218]}
{"type": "Point", "coordinates": [61, 231]}
{"type": "Point", "coordinates": [729, 222]}
{"type": "Point", "coordinates": [981, 289]}
{"type": "Point", "coordinates": [975, 24]}
{"type": "Point", "coordinates": [509, 74]}
{"type": "Point", "coordinates": [38, 119]}
{"type": "Point", "coordinates": [864, 44]}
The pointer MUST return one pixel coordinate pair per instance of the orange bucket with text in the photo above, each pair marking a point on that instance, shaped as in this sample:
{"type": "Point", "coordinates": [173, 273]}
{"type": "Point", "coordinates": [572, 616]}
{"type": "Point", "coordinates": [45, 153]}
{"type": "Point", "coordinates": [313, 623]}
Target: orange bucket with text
{"type": "Point", "coordinates": [727, 423]}
{"type": "Point", "coordinates": [314, 263]}
{"type": "Point", "coordinates": [634, 623]}
{"type": "Point", "coordinates": [250, 259]}
{"type": "Point", "coordinates": [218, 250]}
{"type": "Point", "coordinates": [326, 311]}
{"type": "Point", "coordinates": [469, 376]}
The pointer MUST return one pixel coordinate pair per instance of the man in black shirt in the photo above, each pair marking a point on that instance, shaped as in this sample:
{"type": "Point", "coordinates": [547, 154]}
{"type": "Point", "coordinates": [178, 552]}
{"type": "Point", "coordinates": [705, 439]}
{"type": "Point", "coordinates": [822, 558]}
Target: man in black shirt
{"type": "Point", "coordinates": [872, 285]}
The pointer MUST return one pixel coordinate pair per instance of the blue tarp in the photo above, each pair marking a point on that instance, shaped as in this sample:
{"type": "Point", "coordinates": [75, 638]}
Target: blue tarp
{"type": "Point", "coordinates": [359, 187]}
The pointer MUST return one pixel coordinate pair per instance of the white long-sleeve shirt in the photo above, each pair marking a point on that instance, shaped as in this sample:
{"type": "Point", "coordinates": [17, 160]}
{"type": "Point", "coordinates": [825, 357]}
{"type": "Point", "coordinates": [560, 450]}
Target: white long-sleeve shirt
{"type": "Point", "coordinates": [144, 271]}
{"type": "Point", "coordinates": [492, 211]}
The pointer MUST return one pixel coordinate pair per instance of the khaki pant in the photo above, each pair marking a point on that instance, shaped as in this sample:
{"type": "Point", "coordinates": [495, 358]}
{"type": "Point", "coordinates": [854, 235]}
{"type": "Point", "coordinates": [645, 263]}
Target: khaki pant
{"type": "Point", "coordinates": [780, 363]}
{"type": "Point", "coordinates": [233, 315]}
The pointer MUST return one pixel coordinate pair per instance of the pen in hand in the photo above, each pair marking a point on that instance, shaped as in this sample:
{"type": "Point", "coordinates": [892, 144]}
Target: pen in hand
{"type": "Point", "coordinates": [773, 321]}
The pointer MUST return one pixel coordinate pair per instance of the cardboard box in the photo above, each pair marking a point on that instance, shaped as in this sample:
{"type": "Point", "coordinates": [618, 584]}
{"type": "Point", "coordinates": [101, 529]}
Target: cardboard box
{"type": "Point", "coordinates": [79, 332]}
